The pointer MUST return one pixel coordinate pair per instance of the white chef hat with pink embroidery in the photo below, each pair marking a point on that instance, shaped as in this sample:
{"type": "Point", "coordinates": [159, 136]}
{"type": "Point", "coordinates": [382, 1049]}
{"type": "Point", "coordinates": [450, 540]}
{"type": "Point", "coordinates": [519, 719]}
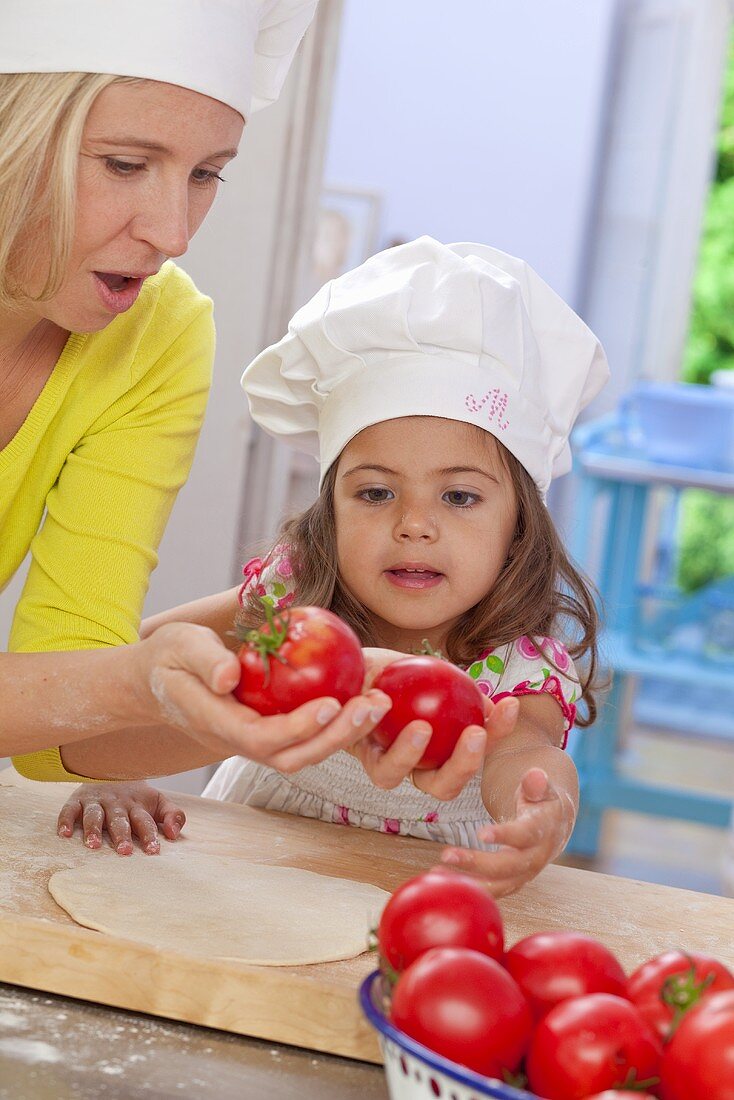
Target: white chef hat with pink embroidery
{"type": "Point", "coordinates": [236, 51]}
{"type": "Point", "coordinates": [460, 331]}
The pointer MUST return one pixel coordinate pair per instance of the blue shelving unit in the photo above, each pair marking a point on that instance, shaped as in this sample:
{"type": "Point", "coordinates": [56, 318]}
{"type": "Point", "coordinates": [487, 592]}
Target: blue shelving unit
{"type": "Point", "coordinates": [677, 685]}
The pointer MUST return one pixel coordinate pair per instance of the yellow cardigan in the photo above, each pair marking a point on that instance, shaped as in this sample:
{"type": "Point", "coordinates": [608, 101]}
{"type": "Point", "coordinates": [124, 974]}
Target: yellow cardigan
{"type": "Point", "coordinates": [89, 480]}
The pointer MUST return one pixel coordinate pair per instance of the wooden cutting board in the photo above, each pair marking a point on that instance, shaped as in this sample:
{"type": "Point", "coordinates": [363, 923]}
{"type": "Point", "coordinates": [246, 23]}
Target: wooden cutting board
{"type": "Point", "coordinates": [309, 1006]}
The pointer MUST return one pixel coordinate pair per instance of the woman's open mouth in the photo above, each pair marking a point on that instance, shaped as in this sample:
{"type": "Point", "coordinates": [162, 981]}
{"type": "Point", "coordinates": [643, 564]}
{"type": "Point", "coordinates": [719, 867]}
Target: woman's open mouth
{"type": "Point", "coordinates": [118, 292]}
{"type": "Point", "coordinates": [417, 578]}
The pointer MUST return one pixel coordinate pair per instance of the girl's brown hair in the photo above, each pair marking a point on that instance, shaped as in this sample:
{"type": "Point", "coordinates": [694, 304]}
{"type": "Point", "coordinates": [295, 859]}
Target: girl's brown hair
{"type": "Point", "coordinates": [538, 593]}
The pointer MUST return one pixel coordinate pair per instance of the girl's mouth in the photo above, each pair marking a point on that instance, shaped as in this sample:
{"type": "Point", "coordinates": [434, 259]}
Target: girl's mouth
{"type": "Point", "coordinates": [117, 292]}
{"type": "Point", "coordinates": [414, 578]}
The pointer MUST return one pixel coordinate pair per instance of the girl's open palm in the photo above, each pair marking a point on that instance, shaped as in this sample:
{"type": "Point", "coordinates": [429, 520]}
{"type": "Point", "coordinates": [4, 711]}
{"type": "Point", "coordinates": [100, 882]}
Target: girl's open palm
{"type": "Point", "coordinates": [543, 822]}
{"type": "Point", "coordinates": [124, 810]}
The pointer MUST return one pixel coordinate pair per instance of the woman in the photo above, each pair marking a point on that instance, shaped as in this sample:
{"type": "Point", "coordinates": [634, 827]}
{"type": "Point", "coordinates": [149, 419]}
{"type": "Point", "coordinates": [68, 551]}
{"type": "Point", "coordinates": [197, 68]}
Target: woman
{"type": "Point", "coordinates": [115, 125]}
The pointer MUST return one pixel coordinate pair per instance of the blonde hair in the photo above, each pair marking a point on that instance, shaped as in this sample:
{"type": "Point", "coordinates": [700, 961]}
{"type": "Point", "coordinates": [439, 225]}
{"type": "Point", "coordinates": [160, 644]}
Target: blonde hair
{"type": "Point", "coordinates": [539, 591]}
{"type": "Point", "coordinates": [42, 117]}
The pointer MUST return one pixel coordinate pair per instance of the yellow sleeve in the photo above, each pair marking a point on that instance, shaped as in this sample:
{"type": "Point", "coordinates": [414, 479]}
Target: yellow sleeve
{"type": "Point", "coordinates": [92, 558]}
{"type": "Point", "coordinates": [47, 767]}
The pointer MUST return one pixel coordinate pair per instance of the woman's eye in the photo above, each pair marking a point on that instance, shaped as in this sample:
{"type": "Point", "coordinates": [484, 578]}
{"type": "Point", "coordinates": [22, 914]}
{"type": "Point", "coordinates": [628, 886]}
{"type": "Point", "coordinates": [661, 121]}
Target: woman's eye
{"type": "Point", "coordinates": [206, 176]}
{"type": "Point", "coordinates": [460, 498]}
{"type": "Point", "coordinates": [375, 496]}
{"type": "Point", "coordinates": [123, 167]}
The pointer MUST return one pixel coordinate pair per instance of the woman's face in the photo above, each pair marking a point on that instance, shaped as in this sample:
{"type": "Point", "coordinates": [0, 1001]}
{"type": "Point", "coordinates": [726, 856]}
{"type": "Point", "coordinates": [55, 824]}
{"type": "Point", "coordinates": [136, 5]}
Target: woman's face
{"type": "Point", "coordinates": [425, 514]}
{"type": "Point", "coordinates": [149, 163]}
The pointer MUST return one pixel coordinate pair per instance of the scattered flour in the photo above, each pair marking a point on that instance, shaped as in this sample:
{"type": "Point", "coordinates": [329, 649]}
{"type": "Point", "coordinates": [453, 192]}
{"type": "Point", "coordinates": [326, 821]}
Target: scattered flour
{"type": "Point", "coordinates": [32, 1051]}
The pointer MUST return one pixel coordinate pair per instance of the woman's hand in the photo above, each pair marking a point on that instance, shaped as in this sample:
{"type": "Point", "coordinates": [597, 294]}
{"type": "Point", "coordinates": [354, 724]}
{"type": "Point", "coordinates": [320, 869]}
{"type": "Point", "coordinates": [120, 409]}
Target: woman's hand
{"type": "Point", "coordinates": [387, 768]}
{"type": "Point", "coordinates": [544, 819]}
{"type": "Point", "coordinates": [185, 679]}
{"type": "Point", "coordinates": [124, 810]}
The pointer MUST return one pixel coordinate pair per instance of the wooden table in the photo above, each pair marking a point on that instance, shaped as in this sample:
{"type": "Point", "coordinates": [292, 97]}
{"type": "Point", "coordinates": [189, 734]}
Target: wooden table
{"type": "Point", "coordinates": [313, 1007]}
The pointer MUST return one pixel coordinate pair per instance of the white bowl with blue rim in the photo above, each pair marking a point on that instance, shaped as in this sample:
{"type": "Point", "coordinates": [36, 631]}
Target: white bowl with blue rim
{"type": "Point", "coordinates": [413, 1071]}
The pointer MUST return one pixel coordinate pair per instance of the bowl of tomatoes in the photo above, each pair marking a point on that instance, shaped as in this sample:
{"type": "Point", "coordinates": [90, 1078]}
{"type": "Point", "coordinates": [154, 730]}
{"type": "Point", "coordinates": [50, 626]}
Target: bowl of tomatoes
{"type": "Point", "coordinates": [461, 1015]}
{"type": "Point", "coordinates": [413, 1071]}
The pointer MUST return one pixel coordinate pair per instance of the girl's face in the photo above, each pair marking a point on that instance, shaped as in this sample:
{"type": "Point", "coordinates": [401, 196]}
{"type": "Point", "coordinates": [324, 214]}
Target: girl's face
{"type": "Point", "coordinates": [425, 515]}
{"type": "Point", "coordinates": [149, 161]}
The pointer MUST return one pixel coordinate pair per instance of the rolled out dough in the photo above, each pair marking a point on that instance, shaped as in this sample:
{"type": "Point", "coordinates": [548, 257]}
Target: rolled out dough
{"type": "Point", "coordinates": [222, 908]}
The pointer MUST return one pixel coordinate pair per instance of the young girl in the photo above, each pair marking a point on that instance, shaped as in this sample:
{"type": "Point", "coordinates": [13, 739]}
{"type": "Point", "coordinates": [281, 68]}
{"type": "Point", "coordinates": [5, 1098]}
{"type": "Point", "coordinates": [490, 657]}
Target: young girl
{"type": "Point", "coordinates": [437, 385]}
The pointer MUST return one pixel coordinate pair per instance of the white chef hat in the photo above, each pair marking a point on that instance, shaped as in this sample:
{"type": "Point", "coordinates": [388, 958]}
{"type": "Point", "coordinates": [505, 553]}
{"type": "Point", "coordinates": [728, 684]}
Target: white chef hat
{"type": "Point", "coordinates": [460, 331]}
{"type": "Point", "coordinates": [237, 51]}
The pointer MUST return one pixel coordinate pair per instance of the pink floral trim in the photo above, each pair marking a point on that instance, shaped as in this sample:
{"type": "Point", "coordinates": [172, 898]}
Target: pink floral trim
{"type": "Point", "coordinates": [251, 571]}
{"type": "Point", "coordinates": [341, 815]}
{"type": "Point", "coordinates": [527, 648]}
{"type": "Point", "coordinates": [390, 825]}
{"type": "Point", "coordinates": [283, 567]}
{"type": "Point", "coordinates": [254, 569]}
{"type": "Point", "coordinates": [550, 686]}
{"type": "Point", "coordinates": [431, 818]}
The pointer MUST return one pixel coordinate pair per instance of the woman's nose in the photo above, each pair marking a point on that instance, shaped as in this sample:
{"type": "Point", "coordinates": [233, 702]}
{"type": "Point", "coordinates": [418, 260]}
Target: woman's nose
{"type": "Point", "coordinates": [163, 222]}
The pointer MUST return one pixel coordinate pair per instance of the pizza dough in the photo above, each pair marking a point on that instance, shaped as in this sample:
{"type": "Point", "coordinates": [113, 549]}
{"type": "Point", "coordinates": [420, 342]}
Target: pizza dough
{"type": "Point", "coordinates": [222, 908]}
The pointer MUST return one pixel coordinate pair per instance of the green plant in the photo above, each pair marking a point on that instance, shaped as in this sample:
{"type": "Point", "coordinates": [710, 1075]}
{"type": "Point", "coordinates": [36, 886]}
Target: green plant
{"type": "Point", "coordinates": [706, 532]}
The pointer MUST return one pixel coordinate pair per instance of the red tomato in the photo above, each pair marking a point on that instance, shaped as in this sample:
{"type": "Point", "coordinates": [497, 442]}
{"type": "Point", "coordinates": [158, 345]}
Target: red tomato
{"type": "Point", "coordinates": [552, 966]}
{"type": "Point", "coordinates": [699, 1060]}
{"type": "Point", "coordinates": [436, 691]}
{"type": "Point", "coordinates": [301, 653]}
{"type": "Point", "coordinates": [620, 1094]}
{"type": "Point", "coordinates": [666, 987]}
{"type": "Point", "coordinates": [466, 1007]}
{"type": "Point", "coordinates": [590, 1044]}
{"type": "Point", "coordinates": [441, 908]}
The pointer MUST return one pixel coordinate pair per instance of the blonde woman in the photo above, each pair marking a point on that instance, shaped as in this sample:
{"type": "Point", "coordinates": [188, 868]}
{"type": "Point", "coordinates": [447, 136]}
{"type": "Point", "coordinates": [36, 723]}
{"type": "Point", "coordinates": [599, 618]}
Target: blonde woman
{"type": "Point", "coordinates": [116, 124]}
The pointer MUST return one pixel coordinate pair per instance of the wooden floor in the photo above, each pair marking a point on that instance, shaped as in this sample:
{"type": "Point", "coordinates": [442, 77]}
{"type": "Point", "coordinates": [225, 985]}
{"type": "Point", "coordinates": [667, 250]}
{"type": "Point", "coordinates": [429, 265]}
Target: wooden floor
{"type": "Point", "coordinates": [671, 852]}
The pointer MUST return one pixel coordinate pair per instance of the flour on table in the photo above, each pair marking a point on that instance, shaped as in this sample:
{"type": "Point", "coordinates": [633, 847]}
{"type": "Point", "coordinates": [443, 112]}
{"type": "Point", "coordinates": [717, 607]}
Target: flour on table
{"type": "Point", "coordinates": [222, 908]}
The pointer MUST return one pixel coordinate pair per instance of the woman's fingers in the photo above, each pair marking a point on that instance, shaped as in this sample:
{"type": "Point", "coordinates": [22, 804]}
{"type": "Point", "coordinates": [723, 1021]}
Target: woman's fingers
{"type": "Point", "coordinates": [501, 718]}
{"type": "Point", "coordinates": [354, 721]}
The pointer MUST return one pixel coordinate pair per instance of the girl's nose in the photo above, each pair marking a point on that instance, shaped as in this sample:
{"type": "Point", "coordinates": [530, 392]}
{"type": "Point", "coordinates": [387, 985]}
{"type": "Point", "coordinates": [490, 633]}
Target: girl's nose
{"type": "Point", "coordinates": [163, 221]}
{"type": "Point", "coordinates": [416, 525]}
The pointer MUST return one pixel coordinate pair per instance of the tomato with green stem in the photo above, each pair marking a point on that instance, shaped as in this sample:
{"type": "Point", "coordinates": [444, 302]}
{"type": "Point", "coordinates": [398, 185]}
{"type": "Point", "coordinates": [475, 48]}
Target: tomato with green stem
{"type": "Point", "coordinates": [665, 987]}
{"type": "Point", "coordinates": [434, 690]}
{"type": "Point", "coordinates": [588, 1044]}
{"type": "Point", "coordinates": [699, 1059]}
{"type": "Point", "coordinates": [298, 654]}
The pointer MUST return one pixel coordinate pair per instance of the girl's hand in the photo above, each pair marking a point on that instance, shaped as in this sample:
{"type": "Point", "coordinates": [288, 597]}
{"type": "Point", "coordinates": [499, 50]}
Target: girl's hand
{"type": "Point", "coordinates": [125, 810]}
{"type": "Point", "coordinates": [376, 659]}
{"type": "Point", "coordinates": [387, 768]}
{"type": "Point", "coordinates": [185, 677]}
{"type": "Point", "coordinates": [539, 831]}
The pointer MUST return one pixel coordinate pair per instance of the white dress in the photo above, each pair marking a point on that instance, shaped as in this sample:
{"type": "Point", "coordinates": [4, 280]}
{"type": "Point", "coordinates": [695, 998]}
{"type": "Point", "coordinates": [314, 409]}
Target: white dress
{"type": "Point", "coordinates": [338, 789]}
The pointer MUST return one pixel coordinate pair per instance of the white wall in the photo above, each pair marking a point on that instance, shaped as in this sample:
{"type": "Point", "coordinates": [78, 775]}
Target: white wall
{"type": "Point", "coordinates": [477, 120]}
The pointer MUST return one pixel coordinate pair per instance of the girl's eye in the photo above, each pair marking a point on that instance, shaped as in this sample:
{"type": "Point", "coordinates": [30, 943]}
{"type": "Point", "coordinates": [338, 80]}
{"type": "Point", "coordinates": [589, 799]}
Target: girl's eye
{"type": "Point", "coordinates": [375, 495]}
{"type": "Point", "coordinates": [206, 177]}
{"type": "Point", "coordinates": [123, 167]}
{"type": "Point", "coordinates": [460, 498]}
